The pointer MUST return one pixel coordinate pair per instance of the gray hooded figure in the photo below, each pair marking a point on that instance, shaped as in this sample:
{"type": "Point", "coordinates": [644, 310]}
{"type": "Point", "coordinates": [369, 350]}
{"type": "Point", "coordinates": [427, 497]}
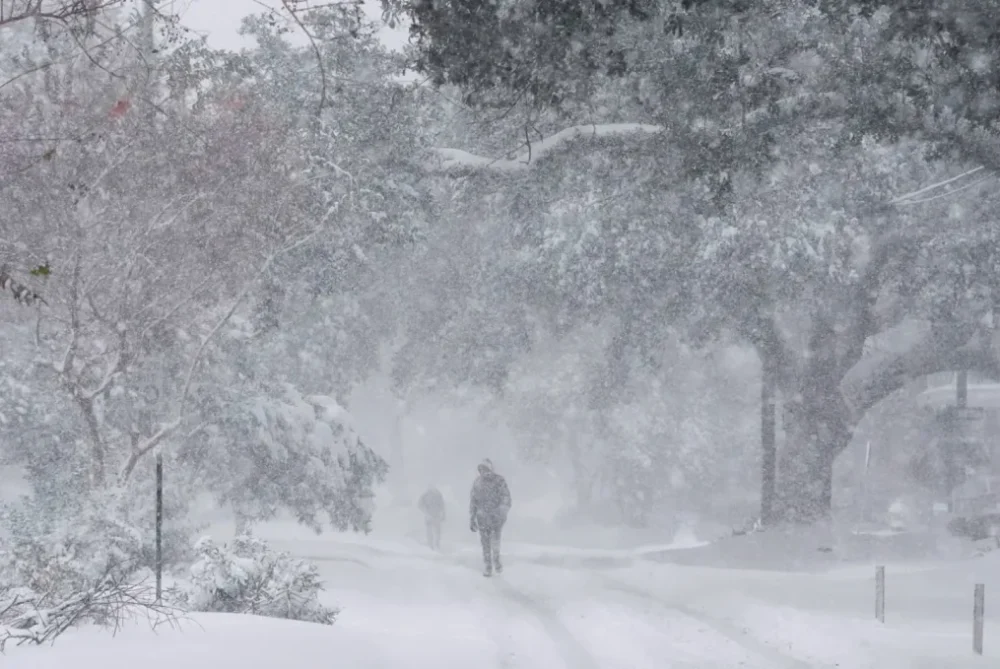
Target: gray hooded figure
{"type": "Point", "coordinates": [431, 503]}
{"type": "Point", "coordinates": [489, 504]}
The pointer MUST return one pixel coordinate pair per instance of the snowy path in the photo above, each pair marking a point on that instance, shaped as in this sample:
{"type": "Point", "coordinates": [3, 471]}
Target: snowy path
{"type": "Point", "coordinates": [733, 636]}
{"type": "Point", "coordinates": [404, 607]}
{"type": "Point", "coordinates": [612, 611]}
{"type": "Point", "coordinates": [536, 616]}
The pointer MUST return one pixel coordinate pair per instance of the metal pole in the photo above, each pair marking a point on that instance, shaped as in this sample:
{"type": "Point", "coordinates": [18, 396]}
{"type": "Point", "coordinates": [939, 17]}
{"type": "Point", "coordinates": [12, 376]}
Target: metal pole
{"type": "Point", "coordinates": [159, 526]}
{"type": "Point", "coordinates": [978, 613]}
{"type": "Point", "coordinates": [880, 593]}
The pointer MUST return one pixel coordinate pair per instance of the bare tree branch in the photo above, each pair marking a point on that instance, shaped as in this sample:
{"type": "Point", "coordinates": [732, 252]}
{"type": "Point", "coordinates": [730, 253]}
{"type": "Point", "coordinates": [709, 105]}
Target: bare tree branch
{"type": "Point", "coordinates": [110, 601]}
{"type": "Point", "coordinates": [61, 11]}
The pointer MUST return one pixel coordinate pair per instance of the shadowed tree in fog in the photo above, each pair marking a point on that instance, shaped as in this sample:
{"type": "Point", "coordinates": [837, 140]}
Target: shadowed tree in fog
{"type": "Point", "coordinates": [791, 242]}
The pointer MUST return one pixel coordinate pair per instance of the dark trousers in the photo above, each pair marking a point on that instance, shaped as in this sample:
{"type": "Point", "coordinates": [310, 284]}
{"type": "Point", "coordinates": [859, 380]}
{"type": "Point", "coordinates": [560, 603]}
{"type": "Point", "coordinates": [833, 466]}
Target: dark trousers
{"type": "Point", "coordinates": [489, 535]}
{"type": "Point", "coordinates": [434, 533]}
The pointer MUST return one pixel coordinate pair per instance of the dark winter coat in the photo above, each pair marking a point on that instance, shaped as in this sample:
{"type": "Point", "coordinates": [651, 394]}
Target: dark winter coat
{"type": "Point", "coordinates": [490, 500]}
{"type": "Point", "coordinates": [432, 504]}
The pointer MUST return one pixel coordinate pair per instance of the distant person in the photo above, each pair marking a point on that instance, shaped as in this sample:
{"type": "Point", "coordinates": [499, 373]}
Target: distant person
{"type": "Point", "coordinates": [432, 504]}
{"type": "Point", "coordinates": [488, 507]}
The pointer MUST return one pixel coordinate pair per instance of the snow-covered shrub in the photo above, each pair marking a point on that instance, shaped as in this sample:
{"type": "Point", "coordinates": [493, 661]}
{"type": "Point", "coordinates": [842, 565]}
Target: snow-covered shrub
{"type": "Point", "coordinates": [277, 449]}
{"type": "Point", "coordinates": [82, 566]}
{"type": "Point", "coordinates": [60, 546]}
{"type": "Point", "coordinates": [248, 577]}
{"type": "Point", "coordinates": [62, 555]}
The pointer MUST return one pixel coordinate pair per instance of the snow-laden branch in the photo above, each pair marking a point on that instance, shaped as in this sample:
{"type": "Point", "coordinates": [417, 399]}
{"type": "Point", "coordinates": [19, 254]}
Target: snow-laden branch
{"type": "Point", "coordinates": [148, 444]}
{"type": "Point", "coordinates": [235, 305]}
{"type": "Point", "coordinates": [457, 160]}
{"type": "Point", "coordinates": [912, 350]}
{"type": "Point", "coordinates": [167, 429]}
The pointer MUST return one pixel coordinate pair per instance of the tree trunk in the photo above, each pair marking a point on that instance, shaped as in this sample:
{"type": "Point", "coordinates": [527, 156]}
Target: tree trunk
{"type": "Point", "coordinates": [398, 482]}
{"type": "Point", "coordinates": [244, 526]}
{"type": "Point", "coordinates": [583, 481]}
{"type": "Point", "coordinates": [98, 455]}
{"type": "Point", "coordinates": [814, 439]}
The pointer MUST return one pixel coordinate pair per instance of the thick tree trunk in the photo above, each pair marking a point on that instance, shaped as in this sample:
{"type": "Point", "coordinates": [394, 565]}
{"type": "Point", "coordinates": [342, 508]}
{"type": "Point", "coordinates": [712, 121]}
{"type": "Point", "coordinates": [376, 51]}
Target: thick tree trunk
{"type": "Point", "coordinates": [819, 428]}
{"type": "Point", "coordinates": [814, 439]}
{"type": "Point", "coordinates": [98, 455]}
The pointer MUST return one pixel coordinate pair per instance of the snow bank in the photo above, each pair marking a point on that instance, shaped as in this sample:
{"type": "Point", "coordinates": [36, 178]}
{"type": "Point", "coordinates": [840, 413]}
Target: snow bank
{"type": "Point", "coordinates": [815, 549]}
{"type": "Point", "coordinates": [436, 611]}
{"type": "Point", "coordinates": [215, 641]}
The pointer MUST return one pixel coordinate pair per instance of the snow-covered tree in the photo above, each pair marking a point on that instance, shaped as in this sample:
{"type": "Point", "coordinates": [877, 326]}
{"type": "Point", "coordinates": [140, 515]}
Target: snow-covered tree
{"type": "Point", "coordinates": [272, 448]}
{"type": "Point", "coordinates": [761, 216]}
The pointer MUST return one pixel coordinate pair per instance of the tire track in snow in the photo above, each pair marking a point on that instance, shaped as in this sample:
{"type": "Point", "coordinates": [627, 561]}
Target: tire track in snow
{"type": "Point", "coordinates": [462, 581]}
{"type": "Point", "coordinates": [720, 627]}
{"type": "Point", "coordinates": [457, 574]}
{"type": "Point", "coordinates": [451, 583]}
{"type": "Point", "coordinates": [573, 653]}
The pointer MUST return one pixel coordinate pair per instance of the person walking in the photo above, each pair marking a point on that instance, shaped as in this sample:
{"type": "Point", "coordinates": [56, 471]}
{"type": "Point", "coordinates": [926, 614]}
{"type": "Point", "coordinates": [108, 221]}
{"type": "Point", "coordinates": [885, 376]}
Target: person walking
{"type": "Point", "coordinates": [489, 504]}
{"type": "Point", "coordinates": [432, 505]}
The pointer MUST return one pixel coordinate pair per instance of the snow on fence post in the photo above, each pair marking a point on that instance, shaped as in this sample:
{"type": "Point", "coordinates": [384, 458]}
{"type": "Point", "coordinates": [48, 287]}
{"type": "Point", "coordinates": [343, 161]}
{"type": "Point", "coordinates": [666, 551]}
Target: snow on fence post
{"type": "Point", "coordinates": [880, 593]}
{"type": "Point", "coordinates": [159, 526]}
{"type": "Point", "coordinates": [978, 613]}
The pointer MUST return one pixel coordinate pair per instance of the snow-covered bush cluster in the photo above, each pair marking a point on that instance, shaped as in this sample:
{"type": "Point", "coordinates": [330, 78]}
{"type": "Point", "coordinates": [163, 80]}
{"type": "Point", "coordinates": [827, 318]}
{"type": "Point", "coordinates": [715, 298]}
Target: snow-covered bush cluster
{"type": "Point", "coordinates": [279, 449]}
{"type": "Point", "coordinates": [62, 555]}
{"type": "Point", "coordinates": [247, 576]}
{"type": "Point", "coordinates": [62, 566]}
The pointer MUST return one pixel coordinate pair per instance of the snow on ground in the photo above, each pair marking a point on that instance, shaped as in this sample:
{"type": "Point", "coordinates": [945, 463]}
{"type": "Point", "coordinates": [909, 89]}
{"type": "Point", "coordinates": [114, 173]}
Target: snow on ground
{"type": "Point", "coordinates": [404, 606]}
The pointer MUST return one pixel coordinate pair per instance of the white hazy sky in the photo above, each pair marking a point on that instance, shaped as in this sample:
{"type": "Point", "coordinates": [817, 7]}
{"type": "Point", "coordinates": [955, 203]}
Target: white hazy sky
{"type": "Point", "coordinates": [220, 19]}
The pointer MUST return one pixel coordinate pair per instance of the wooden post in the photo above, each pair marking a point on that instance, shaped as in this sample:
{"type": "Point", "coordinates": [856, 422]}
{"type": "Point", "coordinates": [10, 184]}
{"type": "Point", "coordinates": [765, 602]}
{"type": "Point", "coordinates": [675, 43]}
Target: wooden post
{"type": "Point", "coordinates": [978, 613]}
{"type": "Point", "coordinates": [159, 526]}
{"type": "Point", "coordinates": [880, 593]}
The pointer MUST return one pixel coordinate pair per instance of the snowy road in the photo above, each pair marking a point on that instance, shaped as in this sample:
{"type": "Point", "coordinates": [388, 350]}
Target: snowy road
{"type": "Point", "coordinates": [608, 611]}
{"type": "Point", "coordinates": [404, 607]}
{"type": "Point", "coordinates": [531, 617]}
